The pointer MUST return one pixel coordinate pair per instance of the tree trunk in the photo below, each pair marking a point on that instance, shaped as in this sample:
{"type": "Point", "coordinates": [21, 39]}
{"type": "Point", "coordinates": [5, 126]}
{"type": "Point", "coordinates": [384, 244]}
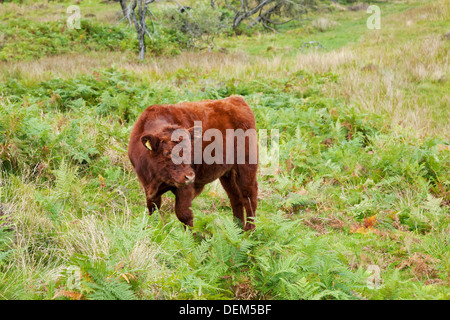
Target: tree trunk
{"type": "Point", "coordinates": [142, 28]}
{"type": "Point", "coordinates": [139, 23]}
{"type": "Point", "coordinates": [126, 14]}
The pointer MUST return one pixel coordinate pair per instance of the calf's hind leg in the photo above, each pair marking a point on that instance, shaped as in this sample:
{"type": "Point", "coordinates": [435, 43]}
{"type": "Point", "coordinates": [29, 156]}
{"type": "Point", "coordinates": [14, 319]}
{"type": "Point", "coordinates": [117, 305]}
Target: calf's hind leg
{"type": "Point", "coordinates": [248, 186]}
{"type": "Point", "coordinates": [229, 184]}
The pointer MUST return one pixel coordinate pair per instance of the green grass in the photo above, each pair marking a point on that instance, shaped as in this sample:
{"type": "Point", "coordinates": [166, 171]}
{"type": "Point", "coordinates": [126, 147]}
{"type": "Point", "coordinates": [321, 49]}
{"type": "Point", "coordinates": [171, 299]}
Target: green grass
{"type": "Point", "coordinates": [65, 169]}
{"type": "Point", "coordinates": [35, 39]}
{"type": "Point", "coordinates": [349, 28]}
{"type": "Point", "coordinates": [354, 189]}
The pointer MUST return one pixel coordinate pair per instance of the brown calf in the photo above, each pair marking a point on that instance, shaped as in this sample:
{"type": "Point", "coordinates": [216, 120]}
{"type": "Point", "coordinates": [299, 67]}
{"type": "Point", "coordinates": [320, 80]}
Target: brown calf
{"type": "Point", "coordinates": [161, 131]}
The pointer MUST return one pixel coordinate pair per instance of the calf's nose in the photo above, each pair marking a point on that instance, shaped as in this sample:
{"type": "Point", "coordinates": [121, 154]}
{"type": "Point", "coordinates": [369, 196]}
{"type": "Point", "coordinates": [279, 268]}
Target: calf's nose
{"type": "Point", "coordinates": [189, 178]}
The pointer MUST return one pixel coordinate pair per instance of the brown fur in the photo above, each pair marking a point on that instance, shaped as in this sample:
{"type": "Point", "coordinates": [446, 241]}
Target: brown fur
{"type": "Point", "coordinates": [158, 174]}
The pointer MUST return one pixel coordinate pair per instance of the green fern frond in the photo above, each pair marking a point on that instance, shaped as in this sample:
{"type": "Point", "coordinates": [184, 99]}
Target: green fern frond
{"type": "Point", "coordinates": [110, 289]}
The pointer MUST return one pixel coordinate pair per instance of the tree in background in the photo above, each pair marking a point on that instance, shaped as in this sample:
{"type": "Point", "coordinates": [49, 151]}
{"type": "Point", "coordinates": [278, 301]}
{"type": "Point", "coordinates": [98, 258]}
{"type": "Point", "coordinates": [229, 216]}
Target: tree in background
{"type": "Point", "coordinates": [129, 12]}
{"type": "Point", "coordinates": [266, 12]}
{"type": "Point", "coordinates": [196, 26]}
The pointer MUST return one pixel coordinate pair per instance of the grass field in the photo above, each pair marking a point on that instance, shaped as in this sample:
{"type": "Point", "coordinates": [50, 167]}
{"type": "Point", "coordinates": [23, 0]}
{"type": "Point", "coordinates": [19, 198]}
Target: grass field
{"type": "Point", "coordinates": [363, 185]}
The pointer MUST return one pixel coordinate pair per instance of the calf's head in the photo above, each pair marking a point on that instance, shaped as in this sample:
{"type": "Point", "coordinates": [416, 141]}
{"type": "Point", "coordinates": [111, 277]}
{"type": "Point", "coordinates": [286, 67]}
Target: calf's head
{"type": "Point", "coordinates": [162, 167]}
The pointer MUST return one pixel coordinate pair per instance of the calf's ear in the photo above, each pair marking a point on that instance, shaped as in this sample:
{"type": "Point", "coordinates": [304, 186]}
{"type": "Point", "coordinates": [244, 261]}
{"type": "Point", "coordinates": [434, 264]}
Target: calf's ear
{"type": "Point", "coordinates": [151, 142]}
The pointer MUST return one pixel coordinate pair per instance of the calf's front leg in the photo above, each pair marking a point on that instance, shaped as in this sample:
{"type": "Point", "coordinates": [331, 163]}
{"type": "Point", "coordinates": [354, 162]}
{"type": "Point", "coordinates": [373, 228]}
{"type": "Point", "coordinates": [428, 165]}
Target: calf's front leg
{"type": "Point", "coordinates": [153, 204]}
{"type": "Point", "coordinates": [183, 203]}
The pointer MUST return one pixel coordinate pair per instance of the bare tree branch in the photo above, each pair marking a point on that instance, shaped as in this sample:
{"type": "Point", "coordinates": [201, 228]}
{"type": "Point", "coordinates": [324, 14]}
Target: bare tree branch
{"type": "Point", "coordinates": [247, 13]}
{"type": "Point", "coordinates": [246, 9]}
{"type": "Point", "coordinates": [125, 10]}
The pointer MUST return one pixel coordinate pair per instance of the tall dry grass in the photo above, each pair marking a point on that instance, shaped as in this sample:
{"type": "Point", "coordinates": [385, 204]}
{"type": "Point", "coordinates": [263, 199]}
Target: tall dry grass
{"type": "Point", "coordinates": [403, 70]}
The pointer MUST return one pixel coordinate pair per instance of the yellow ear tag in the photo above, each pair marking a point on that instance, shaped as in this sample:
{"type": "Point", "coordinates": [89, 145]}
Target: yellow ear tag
{"type": "Point", "coordinates": [147, 144]}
